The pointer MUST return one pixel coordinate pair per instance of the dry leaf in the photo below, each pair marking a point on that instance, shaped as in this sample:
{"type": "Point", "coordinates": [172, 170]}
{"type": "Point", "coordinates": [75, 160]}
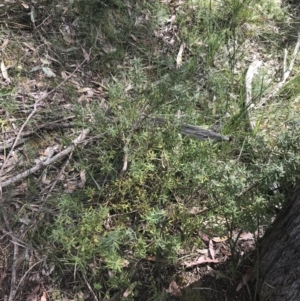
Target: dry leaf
{"type": "Point", "coordinates": [83, 90]}
{"type": "Point", "coordinates": [246, 278]}
{"type": "Point", "coordinates": [133, 37]}
{"type": "Point", "coordinates": [220, 239]}
{"type": "Point", "coordinates": [44, 298]}
{"type": "Point", "coordinates": [85, 54]}
{"type": "Point", "coordinates": [4, 70]}
{"type": "Point", "coordinates": [108, 48]}
{"type": "Point", "coordinates": [81, 98]}
{"type": "Point", "coordinates": [128, 88]}
{"type": "Point", "coordinates": [28, 45]}
{"type": "Point", "coordinates": [82, 179]}
{"type": "Point", "coordinates": [174, 289]}
{"type": "Point", "coordinates": [179, 55]}
{"type": "Point", "coordinates": [202, 252]}
{"type": "Point", "coordinates": [129, 290]}
{"type": "Point", "coordinates": [45, 61]}
{"type": "Point", "coordinates": [36, 68]}
{"type": "Point", "coordinates": [225, 251]}
{"type": "Point", "coordinates": [246, 236]}
{"type": "Point", "coordinates": [4, 44]}
{"type": "Point", "coordinates": [172, 19]}
{"type": "Point", "coordinates": [25, 220]}
{"type": "Point", "coordinates": [64, 75]}
{"type": "Point", "coordinates": [200, 260]}
{"type": "Point", "coordinates": [33, 14]}
{"type": "Point", "coordinates": [212, 251]}
{"type": "Point", "coordinates": [90, 93]}
{"type": "Point", "coordinates": [127, 293]}
{"type": "Point", "coordinates": [48, 72]}
{"type": "Point", "coordinates": [66, 38]}
{"type": "Point", "coordinates": [204, 237]}
{"type": "Point", "coordinates": [50, 150]}
{"type": "Point", "coordinates": [25, 5]}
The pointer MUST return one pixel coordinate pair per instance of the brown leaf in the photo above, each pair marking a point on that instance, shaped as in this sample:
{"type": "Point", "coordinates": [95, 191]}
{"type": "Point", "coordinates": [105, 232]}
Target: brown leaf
{"type": "Point", "coordinates": [4, 44]}
{"type": "Point", "coordinates": [30, 46]}
{"type": "Point", "coordinates": [220, 239]}
{"type": "Point", "coordinates": [82, 179]}
{"type": "Point", "coordinates": [128, 291]}
{"type": "Point", "coordinates": [64, 75]}
{"type": "Point", "coordinates": [83, 90]}
{"type": "Point", "coordinates": [248, 276]}
{"type": "Point", "coordinates": [224, 251]}
{"type": "Point", "coordinates": [174, 289]}
{"type": "Point", "coordinates": [200, 260]}
{"type": "Point", "coordinates": [133, 37]}
{"type": "Point", "coordinates": [4, 70]}
{"type": "Point", "coordinates": [44, 298]}
{"type": "Point", "coordinates": [204, 237]}
{"type": "Point", "coordinates": [66, 38]}
{"type": "Point", "coordinates": [25, 5]}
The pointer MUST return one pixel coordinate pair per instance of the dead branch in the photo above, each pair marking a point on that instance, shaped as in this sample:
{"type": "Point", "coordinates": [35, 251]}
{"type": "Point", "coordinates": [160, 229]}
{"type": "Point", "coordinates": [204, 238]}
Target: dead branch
{"type": "Point", "coordinates": [18, 137]}
{"type": "Point", "coordinates": [33, 112]}
{"type": "Point", "coordinates": [47, 162]}
{"type": "Point", "coordinates": [24, 135]}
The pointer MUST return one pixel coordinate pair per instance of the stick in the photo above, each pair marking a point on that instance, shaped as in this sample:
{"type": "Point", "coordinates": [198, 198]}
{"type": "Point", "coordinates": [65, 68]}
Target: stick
{"type": "Point", "coordinates": [18, 137]}
{"type": "Point", "coordinates": [24, 135]}
{"type": "Point", "coordinates": [33, 112]}
{"type": "Point", "coordinates": [89, 287]}
{"type": "Point", "coordinates": [47, 162]}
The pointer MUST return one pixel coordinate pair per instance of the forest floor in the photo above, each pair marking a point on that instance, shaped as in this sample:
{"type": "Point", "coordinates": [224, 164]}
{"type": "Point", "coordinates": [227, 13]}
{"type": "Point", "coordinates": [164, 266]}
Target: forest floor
{"type": "Point", "coordinates": [51, 80]}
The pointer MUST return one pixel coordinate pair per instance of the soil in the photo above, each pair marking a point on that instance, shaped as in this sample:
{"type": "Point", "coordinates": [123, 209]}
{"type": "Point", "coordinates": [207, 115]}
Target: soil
{"type": "Point", "coordinates": [219, 281]}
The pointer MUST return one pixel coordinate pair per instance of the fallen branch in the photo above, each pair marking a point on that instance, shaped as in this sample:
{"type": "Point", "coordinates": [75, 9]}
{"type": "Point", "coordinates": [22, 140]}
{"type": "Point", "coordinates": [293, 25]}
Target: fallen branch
{"type": "Point", "coordinates": [18, 137]}
{"type": "Point", "coordinates": [10, 142]}
{"type": "Point", "coordinates": [47, 162]}
{"type": "Point", "coordinates": [32, 113]}
{"type": "Point", "coordinates": [13, 142]}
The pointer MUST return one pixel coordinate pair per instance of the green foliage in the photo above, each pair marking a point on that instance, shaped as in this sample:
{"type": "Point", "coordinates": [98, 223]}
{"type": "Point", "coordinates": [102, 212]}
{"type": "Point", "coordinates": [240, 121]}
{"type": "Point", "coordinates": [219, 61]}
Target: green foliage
{"type": "Point", "coordinates": [147, 184]}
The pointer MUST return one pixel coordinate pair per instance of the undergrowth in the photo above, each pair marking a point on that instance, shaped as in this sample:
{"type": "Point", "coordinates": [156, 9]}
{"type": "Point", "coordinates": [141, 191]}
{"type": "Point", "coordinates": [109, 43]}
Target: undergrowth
{"type": "Point", "coordinates": [145, 182]}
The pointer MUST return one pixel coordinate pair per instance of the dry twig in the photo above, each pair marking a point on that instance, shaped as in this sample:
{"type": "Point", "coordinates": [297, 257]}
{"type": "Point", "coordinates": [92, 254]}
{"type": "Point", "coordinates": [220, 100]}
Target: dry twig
{"type": "Point", "coordinates": [47, 162]}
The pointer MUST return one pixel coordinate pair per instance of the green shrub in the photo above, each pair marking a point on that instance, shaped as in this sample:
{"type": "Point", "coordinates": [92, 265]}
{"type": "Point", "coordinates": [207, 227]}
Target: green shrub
{"type": "Point", "coordinates": [172, 187]}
